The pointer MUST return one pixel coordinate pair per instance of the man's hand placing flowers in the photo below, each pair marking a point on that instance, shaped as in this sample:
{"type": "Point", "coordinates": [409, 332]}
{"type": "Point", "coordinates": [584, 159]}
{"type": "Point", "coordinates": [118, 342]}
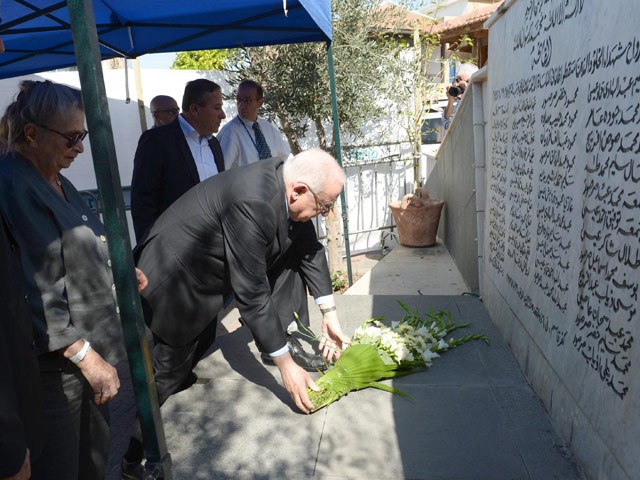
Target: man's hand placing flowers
{"type": "Point", "coordinates": [294, 378]}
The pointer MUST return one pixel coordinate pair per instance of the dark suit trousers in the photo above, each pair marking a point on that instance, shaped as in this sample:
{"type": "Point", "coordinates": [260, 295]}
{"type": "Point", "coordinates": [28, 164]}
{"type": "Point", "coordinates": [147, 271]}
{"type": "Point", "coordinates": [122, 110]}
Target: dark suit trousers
{"type": "Point", "coordinates": [289, 293]}
{"type": "Point", "coordinates": [173, 365]}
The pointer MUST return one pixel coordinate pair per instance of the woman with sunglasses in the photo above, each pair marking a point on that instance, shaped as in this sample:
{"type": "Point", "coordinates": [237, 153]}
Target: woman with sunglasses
{"type": "Point", "coordinates": [71, 295]}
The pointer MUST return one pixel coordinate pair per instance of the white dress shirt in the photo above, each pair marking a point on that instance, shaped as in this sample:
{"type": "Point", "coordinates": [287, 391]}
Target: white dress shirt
{"type": "Point", "coordinates": [200, 149]}
{"type": "Point", "coordinates": [238, 142]}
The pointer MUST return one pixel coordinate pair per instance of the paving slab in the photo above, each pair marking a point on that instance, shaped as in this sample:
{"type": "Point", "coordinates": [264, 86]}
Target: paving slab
{"type": "Point", "coordinates": [412, 271]}
{"type": "Point", "coordinates": [473, 415]}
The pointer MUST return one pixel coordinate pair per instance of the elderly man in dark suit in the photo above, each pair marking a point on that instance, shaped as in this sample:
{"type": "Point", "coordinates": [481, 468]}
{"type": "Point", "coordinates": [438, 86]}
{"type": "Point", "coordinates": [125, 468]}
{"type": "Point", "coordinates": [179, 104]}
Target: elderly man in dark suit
{"type": "Point", "coordinates": [244, 231]}
{"type": "Point", "coordinates": [172, 158]}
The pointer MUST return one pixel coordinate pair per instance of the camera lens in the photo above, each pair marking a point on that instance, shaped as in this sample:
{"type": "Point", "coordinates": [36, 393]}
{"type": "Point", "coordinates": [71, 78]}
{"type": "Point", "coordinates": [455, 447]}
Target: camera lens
{"type": "Point", "coordinates": [456, 91]}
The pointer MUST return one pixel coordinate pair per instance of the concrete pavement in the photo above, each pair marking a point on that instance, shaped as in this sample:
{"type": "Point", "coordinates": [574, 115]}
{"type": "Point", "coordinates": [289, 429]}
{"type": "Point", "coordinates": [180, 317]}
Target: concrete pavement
{"type": "Point", "coordinates": [473, 415]}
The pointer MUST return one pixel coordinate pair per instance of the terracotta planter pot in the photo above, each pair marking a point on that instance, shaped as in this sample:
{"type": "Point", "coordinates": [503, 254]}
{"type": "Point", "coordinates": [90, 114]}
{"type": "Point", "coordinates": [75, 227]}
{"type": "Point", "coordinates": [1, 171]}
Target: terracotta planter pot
{"type": "Point", "coordinates": [417, 220]}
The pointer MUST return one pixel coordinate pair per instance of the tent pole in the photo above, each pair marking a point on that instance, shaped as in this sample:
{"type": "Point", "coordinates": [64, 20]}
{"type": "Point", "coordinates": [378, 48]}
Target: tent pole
{"type": "Point", "coordinates": [85, 39]}
{"type": "Point", "coordinates": [336, 137]}
{"type": "Point", "coordinates": [139, 94]}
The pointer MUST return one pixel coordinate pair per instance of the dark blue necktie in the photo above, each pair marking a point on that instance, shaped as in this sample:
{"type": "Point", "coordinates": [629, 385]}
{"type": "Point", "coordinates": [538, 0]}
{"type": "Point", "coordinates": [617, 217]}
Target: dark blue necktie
{"type": "Point", "coordinates": [261, 143]}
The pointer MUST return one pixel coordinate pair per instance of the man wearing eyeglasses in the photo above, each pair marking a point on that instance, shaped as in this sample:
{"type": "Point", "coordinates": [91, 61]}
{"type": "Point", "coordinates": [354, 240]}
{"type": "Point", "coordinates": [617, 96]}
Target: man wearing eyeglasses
{"type": "Point", "coordinates": [172, 158]}
{"type": "Point", "coordinates": [249, 138]}
{"type": "Point", "coordinates": [241, 232]}
{"type": "Point", "coordinates": [164, 110]}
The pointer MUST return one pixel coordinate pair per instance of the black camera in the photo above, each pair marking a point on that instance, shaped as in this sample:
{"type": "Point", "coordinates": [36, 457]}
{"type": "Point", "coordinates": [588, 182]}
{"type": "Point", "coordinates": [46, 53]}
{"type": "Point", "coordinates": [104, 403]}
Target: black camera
{"type": "Point", "coordinates": [456, 91]}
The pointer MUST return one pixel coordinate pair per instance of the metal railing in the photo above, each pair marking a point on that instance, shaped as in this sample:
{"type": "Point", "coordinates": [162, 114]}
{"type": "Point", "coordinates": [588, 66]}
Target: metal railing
{"type": "Point", "coordinates": [376, 176]}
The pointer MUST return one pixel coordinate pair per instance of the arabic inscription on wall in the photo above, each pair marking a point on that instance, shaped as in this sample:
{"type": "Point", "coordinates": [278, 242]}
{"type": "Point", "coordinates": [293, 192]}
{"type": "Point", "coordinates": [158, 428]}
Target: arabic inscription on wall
{"type": "Point", "coordinates": [563, 209]}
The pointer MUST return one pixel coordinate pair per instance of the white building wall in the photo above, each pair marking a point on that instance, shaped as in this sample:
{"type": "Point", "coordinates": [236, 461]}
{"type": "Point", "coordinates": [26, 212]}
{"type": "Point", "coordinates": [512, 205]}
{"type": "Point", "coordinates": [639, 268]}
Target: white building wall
{"type": "Point", "coordinates": [371, 186]}
{"type": "Point", "coordinates": [562, 229]}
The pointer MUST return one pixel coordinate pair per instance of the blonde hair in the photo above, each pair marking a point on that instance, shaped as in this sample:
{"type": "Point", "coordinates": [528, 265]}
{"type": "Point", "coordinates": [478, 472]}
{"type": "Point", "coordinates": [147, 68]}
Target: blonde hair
{"type": "Point", "coordinates": [39, 103]}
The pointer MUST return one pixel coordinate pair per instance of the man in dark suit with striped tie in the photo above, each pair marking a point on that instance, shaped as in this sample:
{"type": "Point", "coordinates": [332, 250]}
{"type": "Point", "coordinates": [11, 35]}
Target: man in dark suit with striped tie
{"type": "Point", "coordinates": [172, 158]}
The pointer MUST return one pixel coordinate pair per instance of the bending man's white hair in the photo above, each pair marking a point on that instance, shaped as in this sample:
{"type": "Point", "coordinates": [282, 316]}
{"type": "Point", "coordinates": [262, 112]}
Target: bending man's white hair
{"type": "Point", "coordinates": [314, 167]}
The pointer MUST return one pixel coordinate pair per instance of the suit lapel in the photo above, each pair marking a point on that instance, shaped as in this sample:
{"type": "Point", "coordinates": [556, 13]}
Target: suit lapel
{"type": "Point", "coordinates": [284, 223]}
{"type": "Point", "coordinates": [185, 152]}
{"type": "Point", "coordinates": [218, 156]}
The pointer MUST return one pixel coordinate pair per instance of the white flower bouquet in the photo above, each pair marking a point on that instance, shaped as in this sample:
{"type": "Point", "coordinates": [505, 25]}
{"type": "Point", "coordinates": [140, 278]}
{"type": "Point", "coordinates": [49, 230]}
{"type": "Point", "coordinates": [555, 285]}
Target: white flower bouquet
{"type": "Point", "coordinates": [379, 352]}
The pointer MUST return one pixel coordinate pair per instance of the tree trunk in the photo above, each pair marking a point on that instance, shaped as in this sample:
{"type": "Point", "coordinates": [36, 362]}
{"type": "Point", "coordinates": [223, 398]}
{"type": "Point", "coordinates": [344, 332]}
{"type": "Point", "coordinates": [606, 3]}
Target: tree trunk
{"type": "Point", "coordinates": [288, 132]}
{"type": "Point", "coordinates": [332, 221]}
{"type": "Point", "coordinates": [416, 165]}
{"type": "Point", "coordinates": [322, 136]}
{"type": "Point", "coordinates": [418, 109]}
{"type": "Point", "coordinates": [334, 241]}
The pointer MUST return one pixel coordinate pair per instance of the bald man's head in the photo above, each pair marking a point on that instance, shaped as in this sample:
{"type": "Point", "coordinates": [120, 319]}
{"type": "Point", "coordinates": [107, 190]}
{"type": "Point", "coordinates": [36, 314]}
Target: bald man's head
{"type": "Point", "coordinates": [164, 110]}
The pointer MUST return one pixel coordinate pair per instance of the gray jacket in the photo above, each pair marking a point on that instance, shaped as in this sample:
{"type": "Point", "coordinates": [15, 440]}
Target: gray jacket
{"type": "Point", "coordinates": [71, 293]}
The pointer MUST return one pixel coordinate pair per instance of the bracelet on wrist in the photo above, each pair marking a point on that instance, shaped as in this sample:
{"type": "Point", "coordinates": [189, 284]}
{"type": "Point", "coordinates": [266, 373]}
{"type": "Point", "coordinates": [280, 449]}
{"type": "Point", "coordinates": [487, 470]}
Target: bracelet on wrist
{"type": "Point", "coordinates": [327, 310]}
{"type": "Point", "coordinates": [78, 357]}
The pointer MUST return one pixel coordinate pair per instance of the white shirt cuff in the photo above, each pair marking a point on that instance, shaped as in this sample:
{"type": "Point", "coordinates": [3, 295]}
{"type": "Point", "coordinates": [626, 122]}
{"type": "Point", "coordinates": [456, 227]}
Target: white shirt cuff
{"type": "Point", "coordinates": [279, 352]}
{"type": "Point", "coordinates": [325, 299]}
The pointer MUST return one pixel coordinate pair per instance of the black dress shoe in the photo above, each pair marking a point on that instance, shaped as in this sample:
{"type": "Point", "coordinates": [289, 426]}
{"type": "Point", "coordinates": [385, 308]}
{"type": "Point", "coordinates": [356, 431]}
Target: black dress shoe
{"type": "Point", "coordinates": [308, 361]}
{"type": "Point", "coordinates": [311, 362]}
{"type": "Point", "coordinates": [190, 380]}
{"type": "Point", "coordinates": [132, 470]}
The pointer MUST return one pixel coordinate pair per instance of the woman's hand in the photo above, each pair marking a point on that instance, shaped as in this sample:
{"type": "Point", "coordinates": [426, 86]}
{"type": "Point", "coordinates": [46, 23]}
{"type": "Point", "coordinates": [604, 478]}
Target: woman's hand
{"type": "Point", "coordinates": [142, 279]}
{"type": "Point", "coordinates": [25, 471]}
{"type": "Point", "coordinates": [102, 377]}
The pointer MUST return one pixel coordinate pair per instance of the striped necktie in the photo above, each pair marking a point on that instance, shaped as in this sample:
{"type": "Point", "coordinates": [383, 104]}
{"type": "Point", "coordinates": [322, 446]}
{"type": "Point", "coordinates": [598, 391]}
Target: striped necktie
{"type": "Point", "coordinates": [263, 149]}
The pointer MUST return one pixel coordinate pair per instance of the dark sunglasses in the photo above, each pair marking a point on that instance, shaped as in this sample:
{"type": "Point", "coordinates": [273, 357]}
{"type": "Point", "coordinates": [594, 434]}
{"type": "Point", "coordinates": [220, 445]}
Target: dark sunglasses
{"type": "Point", "coordinates": [71, 140]}
{"type": "Point", "coordinates": [170, 111]}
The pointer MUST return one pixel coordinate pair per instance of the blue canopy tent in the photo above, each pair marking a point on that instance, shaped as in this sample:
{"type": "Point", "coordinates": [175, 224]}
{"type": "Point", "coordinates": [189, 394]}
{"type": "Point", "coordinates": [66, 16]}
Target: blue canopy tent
{"type": "Point", "coordinates": [37, 33]}
{"type": "Point", "coordinates": [41, 35]}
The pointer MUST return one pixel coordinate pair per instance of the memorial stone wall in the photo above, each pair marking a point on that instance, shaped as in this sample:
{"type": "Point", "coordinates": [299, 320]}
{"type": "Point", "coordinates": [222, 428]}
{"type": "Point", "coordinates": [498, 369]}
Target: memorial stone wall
{"type": "Point", "coordinates": [562, 224]}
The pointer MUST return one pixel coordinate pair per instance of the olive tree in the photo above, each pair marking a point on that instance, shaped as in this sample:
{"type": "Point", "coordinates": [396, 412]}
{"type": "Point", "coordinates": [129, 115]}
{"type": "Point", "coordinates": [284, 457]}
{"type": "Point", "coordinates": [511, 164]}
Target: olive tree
{"type": "Point", "coordinates": [296, 82]}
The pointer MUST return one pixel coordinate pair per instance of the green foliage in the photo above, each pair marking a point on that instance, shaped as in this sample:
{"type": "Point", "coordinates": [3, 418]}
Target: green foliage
{"type": "Point", "coordinates": [465, 41]}
{"type": "Point", "coordinates": [379, 351]}
{"type": "Point", "coordinates": [296, 78]}
{"type": "Point", "coordinates": [415, 80]}
{"type": "Point", "coordinates": [201, 60]}
{"type": "Point", "coordinates": [338, 281]}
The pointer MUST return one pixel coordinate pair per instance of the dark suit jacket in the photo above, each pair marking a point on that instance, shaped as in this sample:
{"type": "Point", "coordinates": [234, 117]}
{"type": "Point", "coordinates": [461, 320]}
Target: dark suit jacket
{"type": "Point", "coordinates": [20, 407]}
{"type": "Point", "coordinates": [227, 234]}
{"type": "Point", "coordinates": [163, 169]}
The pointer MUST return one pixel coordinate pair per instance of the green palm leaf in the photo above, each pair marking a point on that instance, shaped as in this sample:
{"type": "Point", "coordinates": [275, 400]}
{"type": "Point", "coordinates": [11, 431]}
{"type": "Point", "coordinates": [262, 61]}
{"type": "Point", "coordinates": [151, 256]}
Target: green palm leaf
{"type": "Point", "coordinates": [379, 352]}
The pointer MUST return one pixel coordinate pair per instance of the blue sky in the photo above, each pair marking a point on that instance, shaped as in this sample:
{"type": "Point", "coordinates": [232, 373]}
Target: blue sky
{"type": "Point", "coordinates": [157, 60]}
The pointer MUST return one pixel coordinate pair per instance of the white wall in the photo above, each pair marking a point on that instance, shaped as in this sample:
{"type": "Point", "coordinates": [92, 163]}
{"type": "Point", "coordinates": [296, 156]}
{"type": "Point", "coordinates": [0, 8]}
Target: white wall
{"type": "Point", "coordinates": [562, 229]}
{"type": "Point", "coordinates": [453, 180]}
{"type": "Point", "coordinates": [370, 187]}
{"type": "Point", "coordinates": [449, 9]}
{"type": "Point", "coordinates": [125, 119]}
